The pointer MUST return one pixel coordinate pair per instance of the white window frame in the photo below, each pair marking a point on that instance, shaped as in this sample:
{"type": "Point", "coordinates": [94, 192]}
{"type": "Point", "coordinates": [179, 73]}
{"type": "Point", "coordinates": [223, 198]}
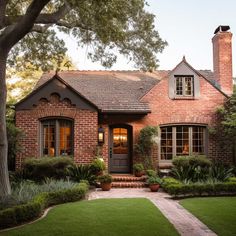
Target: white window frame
{"type": "Point", "coordinates": [183, 79]}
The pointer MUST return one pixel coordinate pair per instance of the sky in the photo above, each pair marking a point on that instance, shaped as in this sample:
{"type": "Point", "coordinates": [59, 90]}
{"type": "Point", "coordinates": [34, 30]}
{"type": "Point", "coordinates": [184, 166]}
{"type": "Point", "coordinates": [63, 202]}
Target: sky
{"type": "Point", "coordinates": [187, 25]}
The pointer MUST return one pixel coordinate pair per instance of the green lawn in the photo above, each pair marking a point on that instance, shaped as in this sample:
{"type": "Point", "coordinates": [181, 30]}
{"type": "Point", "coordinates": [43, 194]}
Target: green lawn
{"type": "Point", "coordinates": [105, 217]}
{"type": "Point", "coordinates": [218, 213]}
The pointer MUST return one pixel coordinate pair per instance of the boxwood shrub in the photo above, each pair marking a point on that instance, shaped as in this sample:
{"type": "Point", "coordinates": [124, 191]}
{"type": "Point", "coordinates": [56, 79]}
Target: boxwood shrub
{"type": "Point", "coordinates": [178, 189]}
{"type": "Point", "coordinates": [51, 167]}
{"type": "Point", "coordinates": [22, 213]}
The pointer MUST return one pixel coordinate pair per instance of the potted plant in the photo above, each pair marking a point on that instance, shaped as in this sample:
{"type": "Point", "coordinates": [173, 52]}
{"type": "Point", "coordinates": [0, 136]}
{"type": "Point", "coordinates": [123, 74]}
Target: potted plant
{"type": "Point", "coordinates": [98, 166]}
{"type": "Point", "coordinates": [105, 182]}
{"type": "Point", "coordinates": [138, 169]}
{"type": "Point", "coordinates": [154, 183]}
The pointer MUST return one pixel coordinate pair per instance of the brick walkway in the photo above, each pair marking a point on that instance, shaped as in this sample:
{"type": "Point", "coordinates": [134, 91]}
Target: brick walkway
{"type": "Point", "coordinates": [185, 223]}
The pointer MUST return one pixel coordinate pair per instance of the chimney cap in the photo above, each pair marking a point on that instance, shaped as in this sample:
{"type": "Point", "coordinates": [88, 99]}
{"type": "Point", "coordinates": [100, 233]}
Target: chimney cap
{"type": "Point", "coordinates": [222, 28]}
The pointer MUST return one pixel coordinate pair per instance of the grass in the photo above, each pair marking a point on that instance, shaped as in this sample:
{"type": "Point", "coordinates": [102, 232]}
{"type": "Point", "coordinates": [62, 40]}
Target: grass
{"type": "Point", "coordinates": [218, 213]}
{"type": "Point", "coordinates": [110, 217]}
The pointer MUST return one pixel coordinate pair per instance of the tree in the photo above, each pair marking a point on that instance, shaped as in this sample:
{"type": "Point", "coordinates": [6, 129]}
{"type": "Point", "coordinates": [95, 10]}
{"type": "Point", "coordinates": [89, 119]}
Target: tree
{"type": "Point", "coordinates": [22, 77]}
{"type": "Point", "coordinates": [225, 129]}
{"type": "Point", "coordinates": [29, 28]}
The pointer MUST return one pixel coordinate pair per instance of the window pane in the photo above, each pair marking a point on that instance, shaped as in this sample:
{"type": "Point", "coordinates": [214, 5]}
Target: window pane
{"type": "Point", "coordinates": [120, 141]}
{"type": "Point", "coordinates": [65, 136]}
{"type": "Point", "coordinates": [179, 86]}
{"type": "Point", "coordinates": [198, 140]}
{"type": "Point", "coordinates": [188, 86]}
{"type": "Point", "coordinates": [166, 143]}
{"type": "Point", "coordinates": [182, 140]}
{"type": "Point", "coordinates": [49, 139]}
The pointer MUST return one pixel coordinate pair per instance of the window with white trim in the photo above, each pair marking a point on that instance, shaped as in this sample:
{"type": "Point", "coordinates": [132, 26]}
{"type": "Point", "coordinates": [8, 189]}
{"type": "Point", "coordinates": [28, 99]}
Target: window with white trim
{"type": "Point", "coordinates": [56, 138]}
{"type": "Point", "coordinates": [182, 140]}
{"type": "Point", "coordinates": [184, 86]}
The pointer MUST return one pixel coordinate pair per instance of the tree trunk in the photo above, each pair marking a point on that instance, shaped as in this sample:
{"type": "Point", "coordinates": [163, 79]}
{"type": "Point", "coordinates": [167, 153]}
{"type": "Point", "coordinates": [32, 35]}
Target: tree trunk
{"type": "Point", "coordinates": [5, 187]}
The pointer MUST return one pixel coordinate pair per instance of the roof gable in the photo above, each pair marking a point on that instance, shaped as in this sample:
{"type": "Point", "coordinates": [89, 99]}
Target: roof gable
{"type": "Point", "coordinates": [52, 86]}
{"type": "Point", "coordinates": [183, 68]}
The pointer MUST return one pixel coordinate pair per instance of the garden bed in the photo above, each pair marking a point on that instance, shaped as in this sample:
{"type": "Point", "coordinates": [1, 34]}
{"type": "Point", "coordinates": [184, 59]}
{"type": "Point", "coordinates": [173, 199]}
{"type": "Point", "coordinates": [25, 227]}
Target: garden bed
{"type": "Point", "coordinates": [16, 215]}
{"type": "Point", "coordinates": [178, 189]}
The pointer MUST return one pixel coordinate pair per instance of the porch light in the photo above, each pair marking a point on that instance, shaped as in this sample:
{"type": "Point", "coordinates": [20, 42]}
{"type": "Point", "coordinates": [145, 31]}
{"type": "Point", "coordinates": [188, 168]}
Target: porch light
{"type": "Point", "coordinates": [101, 135]}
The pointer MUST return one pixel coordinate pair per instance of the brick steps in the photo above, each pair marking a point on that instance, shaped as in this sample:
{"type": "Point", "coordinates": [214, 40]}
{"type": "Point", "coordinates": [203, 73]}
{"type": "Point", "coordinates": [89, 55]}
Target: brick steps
{"type": "Point", "coordinates": [128, 184]}
{"type": "Point", "coordinates": [128, 181]}
{"type": "Point", "coordinates": [131, 178]}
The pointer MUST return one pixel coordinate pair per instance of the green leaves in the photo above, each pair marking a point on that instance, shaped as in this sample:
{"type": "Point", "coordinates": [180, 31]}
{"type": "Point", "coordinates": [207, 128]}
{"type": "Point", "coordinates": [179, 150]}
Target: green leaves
{"type": "Point", "coordinates": [38, 49]}
{"type": "Point", "coordinates": [105, 27]}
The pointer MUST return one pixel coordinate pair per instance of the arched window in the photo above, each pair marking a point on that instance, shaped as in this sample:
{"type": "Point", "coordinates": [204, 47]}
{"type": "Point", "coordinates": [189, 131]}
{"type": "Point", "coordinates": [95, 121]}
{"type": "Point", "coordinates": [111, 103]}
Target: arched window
{"type": "Point", "coordinates": [57, 137]}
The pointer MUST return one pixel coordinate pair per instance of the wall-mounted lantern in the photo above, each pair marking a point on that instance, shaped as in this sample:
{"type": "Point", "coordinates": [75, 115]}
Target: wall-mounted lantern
{"type": "Point", "coordinates": [101, 135]}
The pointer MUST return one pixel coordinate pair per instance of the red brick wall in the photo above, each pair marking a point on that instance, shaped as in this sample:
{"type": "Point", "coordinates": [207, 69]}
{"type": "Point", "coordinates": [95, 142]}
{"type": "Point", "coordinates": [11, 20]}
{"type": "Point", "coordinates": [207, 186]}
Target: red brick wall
{"type": "Point", "coordinates": [168, 111]}
{"type": "Point", "coordinates": [85, 128]}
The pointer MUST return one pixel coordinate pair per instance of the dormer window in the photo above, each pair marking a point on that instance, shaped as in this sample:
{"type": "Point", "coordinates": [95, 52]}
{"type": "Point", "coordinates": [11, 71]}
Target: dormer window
{"type": "Point", "coordinates": [184, 86]}
{"type": "Point", "coordinates": [184, 82]}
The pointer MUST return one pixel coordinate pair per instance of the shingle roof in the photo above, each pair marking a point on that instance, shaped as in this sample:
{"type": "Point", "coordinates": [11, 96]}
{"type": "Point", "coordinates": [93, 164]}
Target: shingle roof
{"type": "Point", "coordinates": [111, 91]}
{"type": "Point", "coordinates": [114, 91]}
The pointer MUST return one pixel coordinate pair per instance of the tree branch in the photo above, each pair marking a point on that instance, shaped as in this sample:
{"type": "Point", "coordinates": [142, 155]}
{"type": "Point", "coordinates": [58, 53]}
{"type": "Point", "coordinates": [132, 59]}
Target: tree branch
{"type": "Point", "coordinates": [3, 4]}
{"type": "Point", "coordinates": [72, 25]}
{"type": "Point", "coordinates": [46, 18]}
{"type": "Point", "coordinates": [40, 28]}
{"type": "Point", "coordinates": [14, 33]}
{"type": "Point", "coordinates": [55, 16]}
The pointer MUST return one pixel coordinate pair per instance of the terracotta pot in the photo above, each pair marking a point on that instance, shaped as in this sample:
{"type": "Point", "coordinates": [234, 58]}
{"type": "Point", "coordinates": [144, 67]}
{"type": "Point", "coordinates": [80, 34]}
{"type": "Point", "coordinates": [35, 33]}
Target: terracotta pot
{"type": "Point", "coordinates": [154, 187]}
{"type": "Point", "coordinates": [106, 186]}
{"type": "Point", "coordinates": [138, 174]}
{"type": "Point", "coordinates": [99, 173]}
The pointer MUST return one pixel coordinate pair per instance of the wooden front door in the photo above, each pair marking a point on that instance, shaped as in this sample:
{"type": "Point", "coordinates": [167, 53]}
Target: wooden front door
{"type": "Point", "coordinates": [119, 153]}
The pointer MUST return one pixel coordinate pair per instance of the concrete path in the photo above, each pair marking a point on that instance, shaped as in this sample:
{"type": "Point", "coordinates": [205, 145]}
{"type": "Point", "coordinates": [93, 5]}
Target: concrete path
{"type": "Point", "coordinates": [185, 223]}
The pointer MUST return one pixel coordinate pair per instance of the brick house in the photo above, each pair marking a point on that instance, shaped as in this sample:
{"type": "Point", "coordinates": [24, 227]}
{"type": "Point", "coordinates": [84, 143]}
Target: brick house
{"type": "Point", "coordinates": [72, 112]}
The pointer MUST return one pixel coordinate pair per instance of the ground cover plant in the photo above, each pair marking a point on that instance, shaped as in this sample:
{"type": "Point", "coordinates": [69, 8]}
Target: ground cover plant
{"type": "Point", "coordinates": [218, 213]}
{"type": "Point", "coordinates": [37, 202]}
{"type": "Point", "coordinates": [25, 191]}
{"type": "Point", "coordinates": [110, 217]}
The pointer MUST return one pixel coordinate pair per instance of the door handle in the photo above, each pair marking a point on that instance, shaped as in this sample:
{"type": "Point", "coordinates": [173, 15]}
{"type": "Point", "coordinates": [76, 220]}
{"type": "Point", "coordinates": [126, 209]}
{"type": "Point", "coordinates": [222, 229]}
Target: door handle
{"type": "Point", "coordinates": [110, 152]}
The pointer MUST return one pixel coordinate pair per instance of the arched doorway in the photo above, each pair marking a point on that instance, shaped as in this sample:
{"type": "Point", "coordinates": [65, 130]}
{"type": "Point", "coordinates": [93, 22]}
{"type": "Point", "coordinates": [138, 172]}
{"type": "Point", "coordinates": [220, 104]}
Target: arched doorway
{"type": "Point", "coordinates": [120, 149]}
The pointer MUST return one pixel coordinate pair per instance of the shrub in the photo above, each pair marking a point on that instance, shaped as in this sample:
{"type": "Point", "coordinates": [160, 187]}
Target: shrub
{"type": "Point", "coordinates": [51, 167]}
{"type": "Point", "coordinates": [146, 141]}
{"type": "Point", "coordinates": [29, 211]}
{"type": "Point", "coordinates": [154, 180]}
{"type": "Point", "coordinates": [220, 172]}
{"type": "Point", "coordinates": [199, 189]}
{"type": "Point", "coordinates": [168, 181]}
{"type": "Point", "coordinates": [26, 190]}
{"type": "Point", "coordinates": [81, 172]}
{"type": "Point", "coordinates": [105, 178]}
{"type": "Point", "coordinates": [98, 165]}
{"type": "Point", "coordinates": [231, 179]}
{"type": "Point", "coordinates": [138, 167]}
{"type": "Point", "coordinates": [191, 168]}
{"type": "Point", "coordinates": [151, 173]}
{"type": "Point", "coordinates": [195, 161]}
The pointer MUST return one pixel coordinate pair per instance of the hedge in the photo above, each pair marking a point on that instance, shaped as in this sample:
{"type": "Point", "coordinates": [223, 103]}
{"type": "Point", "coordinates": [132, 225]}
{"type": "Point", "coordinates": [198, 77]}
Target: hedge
{"type": "Point", "coordinates": [178, 189]}
{"type": "Point", "coordinates": [46, 167]}
{"type": "Point", "coordinates": [19, 214]}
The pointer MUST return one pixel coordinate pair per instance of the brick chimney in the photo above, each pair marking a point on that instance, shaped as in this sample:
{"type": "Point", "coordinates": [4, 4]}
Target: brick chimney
{"type": "Point", "coordinates": [222, 59]}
